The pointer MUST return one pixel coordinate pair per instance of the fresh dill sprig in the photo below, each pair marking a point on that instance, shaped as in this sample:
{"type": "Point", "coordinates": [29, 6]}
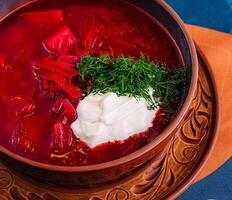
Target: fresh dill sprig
{"type": "Point", "coordinates": [139, 78]}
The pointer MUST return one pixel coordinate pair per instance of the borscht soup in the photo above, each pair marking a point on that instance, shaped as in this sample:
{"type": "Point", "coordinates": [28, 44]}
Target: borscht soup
{"type": "Point", "coordinates": [86, 82]}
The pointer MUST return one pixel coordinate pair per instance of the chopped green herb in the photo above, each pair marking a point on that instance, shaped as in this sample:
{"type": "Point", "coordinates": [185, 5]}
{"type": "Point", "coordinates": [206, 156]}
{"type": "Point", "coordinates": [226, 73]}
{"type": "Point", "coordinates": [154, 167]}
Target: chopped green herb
{"type": "Point", "coordinates": [139, 78]}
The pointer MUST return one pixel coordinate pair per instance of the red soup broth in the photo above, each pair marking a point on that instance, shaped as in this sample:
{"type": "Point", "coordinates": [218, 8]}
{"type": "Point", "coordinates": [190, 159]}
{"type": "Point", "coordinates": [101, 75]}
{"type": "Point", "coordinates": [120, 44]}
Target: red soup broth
{"type": "Point", "coordinates": [39, 47]}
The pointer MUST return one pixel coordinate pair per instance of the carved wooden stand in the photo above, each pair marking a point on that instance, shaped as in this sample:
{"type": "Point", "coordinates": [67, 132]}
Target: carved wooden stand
{"type": "Point", "coordinates": [159, 179]}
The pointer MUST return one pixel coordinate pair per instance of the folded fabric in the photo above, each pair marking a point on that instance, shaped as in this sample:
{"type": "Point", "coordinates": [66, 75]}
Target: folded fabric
{"type": "Point", "coordinates": [217, 49]}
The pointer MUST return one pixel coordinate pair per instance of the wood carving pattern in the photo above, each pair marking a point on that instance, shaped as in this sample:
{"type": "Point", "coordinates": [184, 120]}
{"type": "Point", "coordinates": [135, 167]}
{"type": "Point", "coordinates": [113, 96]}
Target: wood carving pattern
{"type": "Point", "coordinates": [194, 131]}
{"type": "Point", "coordinates": [157, 179]}
{"type": "Point", "coordinates": [118, 194]}
{"type": "Point", "coordinates": [6, 179]}
{"type": "Point", "coordinates": [115, 194]}
{"type": "Point", "coordinates": [16, 194]}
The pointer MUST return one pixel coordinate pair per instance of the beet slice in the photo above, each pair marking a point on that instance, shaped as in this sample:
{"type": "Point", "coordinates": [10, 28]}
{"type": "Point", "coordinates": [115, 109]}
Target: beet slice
{"type": "Point", "coordinates": [59, 73]}
{"type": "Point", "coordinates": [43, 17]}
{"type": "Point", "coordinates": [19, 140]}
{"type": "Point", "coordinates": [48, 75]}
{"type": "Point", "coordinates": [25, 145]}
{"type": "Point", "coordinates": [60, 41]}
{"type": "Point", "coordinates": [62, 138]}
{"type": "Point", "coordinates": [57, 106]}
{"type": "Point", "coordinates": [65, 85]}
{"type": "Point", "coordinates": [57, 67]}
{"type": "Point", "coordinates": [70, 111]}
{"type": "Point", "coordinates": [94, 38]}
{"type": "Point", "coordinates": [61, 82]}
{"type": "Point", "coordinates": [28, 110]}
{"type": "Point", "coordinates": [93, 33]}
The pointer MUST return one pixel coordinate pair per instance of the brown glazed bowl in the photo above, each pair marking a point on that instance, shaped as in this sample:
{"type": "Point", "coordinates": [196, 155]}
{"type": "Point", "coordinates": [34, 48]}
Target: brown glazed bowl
{"type": "Point", "coordinates": [100, 174]}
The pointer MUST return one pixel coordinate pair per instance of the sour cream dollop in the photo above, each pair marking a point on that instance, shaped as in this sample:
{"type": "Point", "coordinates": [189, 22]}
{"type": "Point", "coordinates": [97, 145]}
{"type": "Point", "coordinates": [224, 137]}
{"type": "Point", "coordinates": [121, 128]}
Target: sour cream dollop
{"type": "Point", "coordinates": [109, 118]}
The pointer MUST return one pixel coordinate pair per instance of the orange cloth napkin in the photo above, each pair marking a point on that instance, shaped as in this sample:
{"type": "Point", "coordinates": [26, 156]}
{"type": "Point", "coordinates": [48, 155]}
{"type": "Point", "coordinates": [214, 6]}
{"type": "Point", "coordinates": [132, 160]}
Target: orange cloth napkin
{"type": "Point", "coordinates": [217, 48]}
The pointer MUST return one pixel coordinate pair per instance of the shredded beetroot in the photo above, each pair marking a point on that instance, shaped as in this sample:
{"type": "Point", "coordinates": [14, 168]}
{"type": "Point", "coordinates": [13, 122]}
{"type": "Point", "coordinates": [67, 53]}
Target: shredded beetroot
{"type": "Point", "coordinates": [25, 145]}
{"type": "Point", "coordinates": [62, 83]}
{"type": "Point", "coordinates": [93, 33]}
{"type": "Point", "coordinates": [72, 90]}
{"type": "Point", "coordinates": [19, 139]}
{"type": "Point", "coordinates": [70, 111]}
{"type": "Point", "coordinates": [57, 67]}
{"type": "Point", "coordinates": [61, 137]}
{"type": "Point", "coordinates": [29, 109]}
{"type": "Point", "coordinates": [60, 41]}
{"type": "Point", "coordinates": [57, 106]}
{"type": "Point", "coordinates": [44, 17]}
{"type": "Point", "coordinates": [58, 76]}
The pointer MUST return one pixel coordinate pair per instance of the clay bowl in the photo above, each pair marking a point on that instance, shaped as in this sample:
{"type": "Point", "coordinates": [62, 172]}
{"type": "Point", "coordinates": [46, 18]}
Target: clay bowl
{"type": "Point", "coordinates": [100, 174]}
